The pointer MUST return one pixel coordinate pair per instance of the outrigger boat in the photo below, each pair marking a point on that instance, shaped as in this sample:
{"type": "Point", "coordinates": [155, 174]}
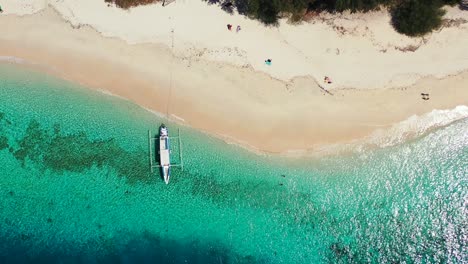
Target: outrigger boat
{"type": "Point", "coordinates": [164, 152]}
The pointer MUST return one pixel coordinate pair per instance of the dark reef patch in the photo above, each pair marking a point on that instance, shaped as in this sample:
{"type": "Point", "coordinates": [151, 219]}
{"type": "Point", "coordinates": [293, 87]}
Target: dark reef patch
{"type": "Point", "coordinates": [3, 142]}
{"type": "Point", "coordinates": [53, 150]}
{"type": "Point", "coordinates": [299, 210]}
{"type": "Point", "coordinates": [143, 248]}
{"type": "Point", "coordinates": [3, 139]}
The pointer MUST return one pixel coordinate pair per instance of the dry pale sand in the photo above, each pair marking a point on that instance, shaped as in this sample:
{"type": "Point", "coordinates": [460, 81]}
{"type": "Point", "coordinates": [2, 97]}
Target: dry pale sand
{"type": "Point", "coordinates": [356, 50]}
{"type": "Point", "coordinates": [240, 103]}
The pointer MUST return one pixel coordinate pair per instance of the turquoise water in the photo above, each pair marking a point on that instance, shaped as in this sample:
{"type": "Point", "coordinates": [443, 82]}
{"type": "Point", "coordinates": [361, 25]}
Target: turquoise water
{"type": "Point", "coordinates": [75, 187]}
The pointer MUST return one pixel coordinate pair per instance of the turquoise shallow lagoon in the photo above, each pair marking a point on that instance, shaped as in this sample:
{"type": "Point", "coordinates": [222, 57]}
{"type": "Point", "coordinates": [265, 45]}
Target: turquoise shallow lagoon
{"type": "Point", "coordinates": [75, 187]}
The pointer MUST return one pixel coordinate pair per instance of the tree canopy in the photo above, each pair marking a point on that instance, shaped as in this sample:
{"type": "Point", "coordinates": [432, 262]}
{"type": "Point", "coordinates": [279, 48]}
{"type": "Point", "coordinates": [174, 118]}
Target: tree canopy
{"type": "Point", "coordinates": [410, 17]}
{"type": "Point", "coordinates": [417, 17]}
{"type": "Point", "coordinates": [131, 3]}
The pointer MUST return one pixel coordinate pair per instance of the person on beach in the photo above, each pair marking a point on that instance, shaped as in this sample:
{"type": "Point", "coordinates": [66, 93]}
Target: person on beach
{"type": "Point", "coordinates": [238, 29]}
{"type": "Point", "coordinates": [229, 26]}
{"type": "Point", "coordinates": [1, 10]}
{"type": "Point", "coordinates": [327, 80]}
{"type": "Point", "coordinates": [268, 62]}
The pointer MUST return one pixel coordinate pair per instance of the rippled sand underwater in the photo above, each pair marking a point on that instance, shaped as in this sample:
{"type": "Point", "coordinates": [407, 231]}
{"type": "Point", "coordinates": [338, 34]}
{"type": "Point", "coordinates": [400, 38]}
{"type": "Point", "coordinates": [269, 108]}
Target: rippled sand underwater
{"type": "Point", "coordinates": [75, 187]}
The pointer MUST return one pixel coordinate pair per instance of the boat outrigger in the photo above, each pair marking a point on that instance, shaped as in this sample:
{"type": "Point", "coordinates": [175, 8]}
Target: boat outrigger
{"type": "Point", "coordinates": [164, 152]}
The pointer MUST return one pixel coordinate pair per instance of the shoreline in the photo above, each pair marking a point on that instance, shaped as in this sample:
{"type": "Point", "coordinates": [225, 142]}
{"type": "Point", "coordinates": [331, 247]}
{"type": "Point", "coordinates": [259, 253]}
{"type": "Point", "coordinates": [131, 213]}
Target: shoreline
{"type": "Point", "coordinates": [387, 135]}
{"type": "Point", "coordinates": [224, 100]}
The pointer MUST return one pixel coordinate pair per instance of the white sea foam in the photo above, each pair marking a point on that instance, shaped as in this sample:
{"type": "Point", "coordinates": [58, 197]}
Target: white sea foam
{"type": "Point", "coordinates": [156, 113]}
{"type": "Point", "coordinates": [416, 126]}
{"type": "Point", "coordinates": [178, 118]}
{"type": "Point", "coordinates": [12, 59]}
{"type": "Point", "coordinates": [413, 127]}
{"type": "Point", "coordinates": [106, 92]}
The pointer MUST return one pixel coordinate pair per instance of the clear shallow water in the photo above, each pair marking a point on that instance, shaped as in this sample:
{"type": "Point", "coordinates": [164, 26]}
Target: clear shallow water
{"type": "Point", "coordinates": [75, 187]}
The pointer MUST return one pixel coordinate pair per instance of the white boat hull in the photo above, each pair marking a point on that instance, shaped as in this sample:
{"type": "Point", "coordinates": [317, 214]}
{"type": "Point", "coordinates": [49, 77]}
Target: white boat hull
{"type": "Point", "coordinates": [166, 173]}
{"type": "Point", "coordinates": [164, 154]}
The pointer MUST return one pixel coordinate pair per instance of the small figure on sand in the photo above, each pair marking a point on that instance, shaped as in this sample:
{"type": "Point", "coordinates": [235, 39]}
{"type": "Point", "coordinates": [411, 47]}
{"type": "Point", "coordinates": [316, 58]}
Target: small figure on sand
{"type": "Point", "coordinates": [268, 62]}
{"type": "Point", "coordinates": [327, 80]}
{"type": "Point", "coordinates": [238, 29]}
{"type": "Point", "coordinates": [229, 26]}
{"type": "Point", "coordinates": [1, 10]}
{"type": "Point", "coordinates": [425, 96]}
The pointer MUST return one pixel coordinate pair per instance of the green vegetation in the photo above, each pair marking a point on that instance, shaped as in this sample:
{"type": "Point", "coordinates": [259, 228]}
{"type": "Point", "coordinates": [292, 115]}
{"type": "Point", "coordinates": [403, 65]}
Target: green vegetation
{"type": "Point", "coordinates": [409, 17]}
{"type": "Point", "coordinates": [416, 17]}
{"type": "Point", "coordinates": [130, 3]}
{"type": "Point", "coordinates": [268, 11]}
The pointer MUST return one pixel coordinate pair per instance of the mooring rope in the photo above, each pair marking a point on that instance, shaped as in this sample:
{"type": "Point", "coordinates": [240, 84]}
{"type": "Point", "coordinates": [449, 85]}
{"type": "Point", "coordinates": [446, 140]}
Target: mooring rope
{"type": "Point", "coordinates": [170, 75]}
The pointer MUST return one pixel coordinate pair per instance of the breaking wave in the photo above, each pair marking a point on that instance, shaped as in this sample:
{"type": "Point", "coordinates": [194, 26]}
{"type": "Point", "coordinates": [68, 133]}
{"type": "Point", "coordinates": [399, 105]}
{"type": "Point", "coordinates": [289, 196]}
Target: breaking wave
{"type": "Point", "coordinates": [411, 128]}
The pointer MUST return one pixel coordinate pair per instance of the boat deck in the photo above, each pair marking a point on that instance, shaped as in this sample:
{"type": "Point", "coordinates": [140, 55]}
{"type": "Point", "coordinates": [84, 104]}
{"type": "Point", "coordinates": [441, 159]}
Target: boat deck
{"type": "Point", "coordinates": [164, 152]}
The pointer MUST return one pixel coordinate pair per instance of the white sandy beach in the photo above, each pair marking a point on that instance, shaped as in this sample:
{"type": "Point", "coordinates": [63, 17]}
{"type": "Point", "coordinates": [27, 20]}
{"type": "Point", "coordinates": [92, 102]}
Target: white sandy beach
{"type": "Point", "coordinates": [220, 82]}
{"type": "Point", "coordinates": [332, 45]}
